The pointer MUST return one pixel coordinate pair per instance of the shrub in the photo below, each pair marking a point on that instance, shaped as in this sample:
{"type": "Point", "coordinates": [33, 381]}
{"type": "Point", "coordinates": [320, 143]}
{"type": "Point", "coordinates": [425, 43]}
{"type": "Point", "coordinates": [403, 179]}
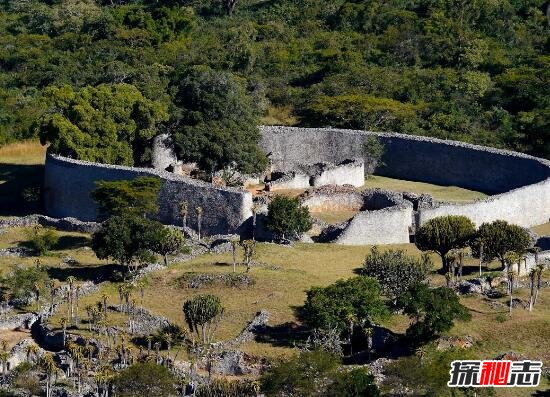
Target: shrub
{"type": "Point", "coordinates": [227, 388]}
{"type": "Point", "coordinates": [203, 312]}
{"type": "Point", "coordinates": [434, 311]}
{"type": "Point", "coordinates": [287, 218]}
{"type": "Point", "coordinates": [42, 240]}
{"type": "Point", "coordinates": [396, 271]}
{"type": "Point", "coordinates": [25, 284]}
{"type": "Point", "coordinates": [153, 378]}
{"type": "Point", "coordinates": [304, 375]}
{"type": "Point", "coordinates": [356, 299]}
{"type": "Point", "coordinates": [498, 238]}
{"type": "Point", "coordinates": [355, 383]}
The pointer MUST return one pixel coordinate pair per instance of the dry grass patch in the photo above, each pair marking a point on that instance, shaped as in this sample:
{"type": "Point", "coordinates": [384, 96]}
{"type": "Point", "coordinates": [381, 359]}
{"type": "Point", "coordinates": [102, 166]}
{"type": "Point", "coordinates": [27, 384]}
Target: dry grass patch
{"type": "Point", "coordinates": [441, 193]}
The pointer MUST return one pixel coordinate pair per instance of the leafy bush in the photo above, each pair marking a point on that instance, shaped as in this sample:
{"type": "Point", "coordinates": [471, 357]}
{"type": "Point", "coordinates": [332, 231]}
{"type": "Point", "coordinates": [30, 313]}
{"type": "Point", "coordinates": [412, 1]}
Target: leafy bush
{"type": "Point", "coordinates": [42, 240]}
{"type": "Point", "coordinates": [306, 374]}
{"type": "Point", "coordinates": [355, 383]}
{"type": "Point", "coordinates": [444, 233]}
{"type": "Point", "coordinates": [396, 271]}
{"type": "Point", "coordinates": [155, 379]}
{"type": "Point", "coordinates": [356, 301]}
{"type": "Point", "coordinates": [433, 310]}
{"type": "Point", "coordinates": [287, 218]}
{"type": "Point", "coordinates": [227, 388]}
{"type": "Point", "coordinates": [498, 238]}
{"type": "Point", "coordinates": [203, 313]}
{"type": "Point", "coordinates": [25, 284]}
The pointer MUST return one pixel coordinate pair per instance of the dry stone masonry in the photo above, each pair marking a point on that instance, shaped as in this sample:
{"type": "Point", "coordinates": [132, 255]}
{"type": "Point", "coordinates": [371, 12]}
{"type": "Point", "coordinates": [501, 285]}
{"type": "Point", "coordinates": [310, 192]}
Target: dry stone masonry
{"type": "Point", "coordinates": [306, 157]}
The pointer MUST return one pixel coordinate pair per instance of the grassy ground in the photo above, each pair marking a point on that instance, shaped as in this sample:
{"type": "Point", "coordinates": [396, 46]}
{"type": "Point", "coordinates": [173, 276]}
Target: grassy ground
{"type": "Point", "coordinates": [542, 230]}
{"type": "Point", "coordinates": [282, 275]}
{"type": "Point", "coordinates": [21, 167]}
{"type": "Point", "coordinates": [441, 193]}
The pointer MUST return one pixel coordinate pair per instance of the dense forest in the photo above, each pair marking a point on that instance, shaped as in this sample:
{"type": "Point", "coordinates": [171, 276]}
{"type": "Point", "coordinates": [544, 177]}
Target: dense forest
{"type": "Point", "coordinates": [471, 70]}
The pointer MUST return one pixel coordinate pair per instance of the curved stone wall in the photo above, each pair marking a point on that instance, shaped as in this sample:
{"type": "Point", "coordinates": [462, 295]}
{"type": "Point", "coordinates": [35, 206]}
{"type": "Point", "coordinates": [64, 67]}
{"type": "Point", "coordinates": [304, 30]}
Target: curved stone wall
{"type": "Point", "coordinates": [522, 180]}
{"type": "Point", "coordinates": [68, 183]}
{"type": "Point", "coordinates": [408, 157]}
{"type": "Point", "coordinates": [521, 183]}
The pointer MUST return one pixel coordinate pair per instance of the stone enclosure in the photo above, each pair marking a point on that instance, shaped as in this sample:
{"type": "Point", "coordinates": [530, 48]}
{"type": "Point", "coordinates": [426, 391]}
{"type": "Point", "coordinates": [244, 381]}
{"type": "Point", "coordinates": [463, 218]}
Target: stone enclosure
{"type": "Point", "coordinates": [312, 157]}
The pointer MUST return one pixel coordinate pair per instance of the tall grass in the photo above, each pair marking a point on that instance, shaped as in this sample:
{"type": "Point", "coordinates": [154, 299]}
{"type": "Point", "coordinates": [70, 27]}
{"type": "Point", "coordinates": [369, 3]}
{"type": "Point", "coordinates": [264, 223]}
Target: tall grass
{"type": "Point", "coordinates": [23, 152]}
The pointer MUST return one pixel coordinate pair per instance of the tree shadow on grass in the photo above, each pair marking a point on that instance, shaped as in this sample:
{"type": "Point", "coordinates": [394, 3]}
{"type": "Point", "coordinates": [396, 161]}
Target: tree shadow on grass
{"type": "Point", "coordinates": [15, 178]}
{"type": "Point", "coordinates": [72, 242]}
{"type": "Point", "coordinates": [289, 334]}
{"type": "Point", "coordinates": [88, 273]}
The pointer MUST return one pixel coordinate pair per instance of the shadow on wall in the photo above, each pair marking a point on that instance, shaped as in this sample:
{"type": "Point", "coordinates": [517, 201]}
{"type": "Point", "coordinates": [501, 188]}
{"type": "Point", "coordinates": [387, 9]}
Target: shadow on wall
{"type": "Point", "coordinates": [20, 187]}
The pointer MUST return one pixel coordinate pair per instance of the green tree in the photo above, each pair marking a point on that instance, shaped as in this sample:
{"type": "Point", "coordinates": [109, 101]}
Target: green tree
{"type": "Point", "coordinates": [168, 241]}
{"type": "Point", "coordinates": [156, 379]}
{"type": "Point", "coordinates": [395, 270]}
{"type": "Point", "coordinates": [498, 238]}
{"type": "Point", "coordinates": [112, 124]}
{"type": "Point", "coordinates": [357, 298]}
{"type": "Point", "coordinates": [355, 383]}
{"type": "Point", "coordinates": [42, 240]}
{"type": "Point", "coordinates": [138, 196]}
{"type": "Point", "coordinates": [360, 111]}
{"type": "Point", "coordinates": [203, 312]}
{"type": "Point", "coordinates": [304, 375]}
{"type": "Point", "coordinates": [373, 150]}
{"type": "Point", "coordinates": [25, 284]}
{"type": "Point", "coordinates": [433, 311]}
{"type": "Point", "coordinates": [444, 233]}
{"type": "Point", "coordinates": [128, 239]}
{"type": "Point", "coordinates": [286, 217]}
{"type": "Point", "coordinates": [217, 123]}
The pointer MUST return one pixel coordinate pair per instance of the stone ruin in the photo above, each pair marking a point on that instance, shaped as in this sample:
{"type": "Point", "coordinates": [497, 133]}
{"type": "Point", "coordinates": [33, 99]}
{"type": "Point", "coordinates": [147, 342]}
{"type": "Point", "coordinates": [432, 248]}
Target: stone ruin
{"type": "Point", "coordinates": [348, 172]}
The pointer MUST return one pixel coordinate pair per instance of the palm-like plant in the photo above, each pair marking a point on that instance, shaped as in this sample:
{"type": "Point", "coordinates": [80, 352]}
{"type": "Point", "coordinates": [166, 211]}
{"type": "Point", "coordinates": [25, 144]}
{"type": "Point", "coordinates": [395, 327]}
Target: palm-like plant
{"type": "Point", "coordinates": [31, 351]}
{"type": "Point", "coordinates": [510, 259]}
{"type": "Point", "coordinates": [184, 211]}
{"type": "Point", "coordinates": [199, 210]}
{"type": "Point", "coordinates": [71, 280]}
{"type": "Point", "coordinates": [540, 270]}
{"type": "Point", "coordinates": [249, 248]}
{"type": "Point", "coordinates": [50, 369]}
{"type": "Point", "coordinates": [234, 243]}
{"type": "Point", "coordinates": [104, 298]}
{"type": "Point", "coordinates": [63, 323]}
{"type": "Point", "coordinates": [4, 357]}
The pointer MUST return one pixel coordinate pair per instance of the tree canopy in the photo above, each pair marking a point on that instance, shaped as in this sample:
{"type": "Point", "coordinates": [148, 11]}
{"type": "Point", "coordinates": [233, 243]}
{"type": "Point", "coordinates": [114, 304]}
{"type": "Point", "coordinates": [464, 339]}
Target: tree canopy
{"type": "Point", "coordinates": [156, 379]}
{"type": "Point", "coordinates": [216, 122]}
{"type": "Point", "coordinates": [434, 311]}
{"type": "Point", "coordinates": [110, 123]}
{"type": "Point", "coordinates": [138, 197]}
{"type": "Point", "coordinates": [357, 299]}
{"type": "Point", "coordinates": [396, 271]}
{"type": "Point", "coordinates": [287, 218]}
{"type": "Point", "coordinates": [444, 233]}
{"type": "Point", "coordinates": [499, 238]}
{"type": "Point", "coordinates": [475, 71]}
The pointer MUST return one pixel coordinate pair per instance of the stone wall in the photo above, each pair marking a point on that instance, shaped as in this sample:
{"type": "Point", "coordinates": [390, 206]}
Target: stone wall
{"type": "Point", "coordinates": [408, 157]}
{"type": "Point", "coordinates": [68, 184]}
{"type": "Point", "coordinates": [163, 154]}
{"type": "Point", "coordinates": [521, 183]}
{"type": "Point", "coordinates": [525, 206]}
{"type": "Point", "coordinates": [523, 180]}
{"type": "Point", "coordinates": [349, 172]}
{"type": "Point", "coordinates": [386, 226]}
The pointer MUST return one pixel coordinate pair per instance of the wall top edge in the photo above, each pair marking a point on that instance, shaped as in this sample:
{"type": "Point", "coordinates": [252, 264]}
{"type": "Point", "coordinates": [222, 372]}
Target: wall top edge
{"type": "Point", "coordinates": [169, 176]}
{"type": "Point", "coordinates": [276, 129]}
